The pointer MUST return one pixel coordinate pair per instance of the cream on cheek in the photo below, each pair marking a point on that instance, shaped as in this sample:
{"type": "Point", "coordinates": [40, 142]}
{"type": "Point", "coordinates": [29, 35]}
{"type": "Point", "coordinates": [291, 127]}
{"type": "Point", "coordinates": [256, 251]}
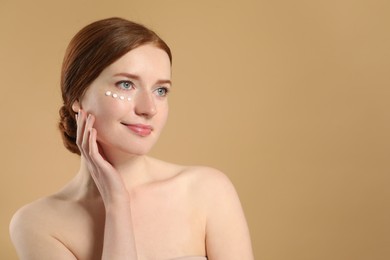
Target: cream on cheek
{"type": "Point", "coordinates": [113, 104]}
{"type": "Point", "coordinates": [115, 95]}
{"type": "Point", "coordinates": [109, 107]}
{"type": "Point", "coordinates": [108, 104]}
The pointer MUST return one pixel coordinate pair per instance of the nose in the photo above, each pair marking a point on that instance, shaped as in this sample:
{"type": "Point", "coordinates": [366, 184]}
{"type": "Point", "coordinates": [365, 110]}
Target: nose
{"type": "Point", "coordinates": [144, 104]}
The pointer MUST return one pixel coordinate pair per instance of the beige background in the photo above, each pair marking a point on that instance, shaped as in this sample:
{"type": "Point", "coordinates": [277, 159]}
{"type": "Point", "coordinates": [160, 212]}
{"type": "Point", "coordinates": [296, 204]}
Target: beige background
{"type": "Point", "coordinates": [289, 98]}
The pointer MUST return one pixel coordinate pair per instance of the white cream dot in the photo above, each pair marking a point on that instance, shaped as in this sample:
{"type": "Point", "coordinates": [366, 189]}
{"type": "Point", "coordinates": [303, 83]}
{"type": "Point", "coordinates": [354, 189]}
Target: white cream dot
{"type": "Point", "coordinates": [122, 97]}
{"type": "Point", "coordinates": [108, 93]}
{"type": "Point", "coordinates": [129, 98]}
{"type": "Point", "coordinates": [114, 95]}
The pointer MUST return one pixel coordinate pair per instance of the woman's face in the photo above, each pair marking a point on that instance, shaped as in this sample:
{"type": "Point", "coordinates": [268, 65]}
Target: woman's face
{"type": "Point", "coordinates": [129, 100]}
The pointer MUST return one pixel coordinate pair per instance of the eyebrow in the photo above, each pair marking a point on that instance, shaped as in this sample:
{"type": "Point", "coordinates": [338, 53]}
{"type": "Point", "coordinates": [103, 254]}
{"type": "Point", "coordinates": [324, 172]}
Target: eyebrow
{"type": "Point", "coordinates": [136, 77]}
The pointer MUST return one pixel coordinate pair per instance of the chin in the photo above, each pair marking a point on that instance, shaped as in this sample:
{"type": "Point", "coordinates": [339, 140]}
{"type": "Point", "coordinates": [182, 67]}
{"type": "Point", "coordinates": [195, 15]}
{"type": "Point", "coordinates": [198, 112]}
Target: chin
{"type": "Point", "coordinates": [138, 152]}
{"type": "Point", "coordinates": [137, 148]}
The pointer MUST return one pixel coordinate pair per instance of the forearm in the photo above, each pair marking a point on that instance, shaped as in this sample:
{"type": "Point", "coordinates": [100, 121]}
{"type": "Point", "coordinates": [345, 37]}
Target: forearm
{"type": "Point", "coordinates": [119, 240]}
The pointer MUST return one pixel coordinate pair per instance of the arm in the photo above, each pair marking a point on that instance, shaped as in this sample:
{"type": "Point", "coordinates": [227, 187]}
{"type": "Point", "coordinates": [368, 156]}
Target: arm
{"type": "Point", "coordinates": [227, 234]}
{"type": "Point", "coordinates": [34, 236]}
{"type": "Point", "coordinates": [119, 240]}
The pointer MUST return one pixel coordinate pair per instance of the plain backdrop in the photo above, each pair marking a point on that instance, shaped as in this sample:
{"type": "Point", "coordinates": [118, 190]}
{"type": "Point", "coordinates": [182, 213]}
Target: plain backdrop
{"type": "Point", "coordinates": [289, 98]}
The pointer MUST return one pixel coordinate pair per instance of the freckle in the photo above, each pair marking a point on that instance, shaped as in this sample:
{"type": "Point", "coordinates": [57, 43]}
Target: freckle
{"type": "Point", "coordinates": [114, 95]}
{"type": "Point", "coordinates": [108, 93]}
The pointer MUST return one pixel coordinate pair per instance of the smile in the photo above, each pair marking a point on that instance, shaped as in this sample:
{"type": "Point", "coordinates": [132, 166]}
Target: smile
{"type": "Point", "coordinates": [140, 129]}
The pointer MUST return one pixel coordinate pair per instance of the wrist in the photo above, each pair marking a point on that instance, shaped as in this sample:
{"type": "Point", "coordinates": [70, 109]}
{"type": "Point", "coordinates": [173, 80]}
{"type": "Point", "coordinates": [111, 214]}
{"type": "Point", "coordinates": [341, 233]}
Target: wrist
{"type": "Point", "coordinates": [117, 205]}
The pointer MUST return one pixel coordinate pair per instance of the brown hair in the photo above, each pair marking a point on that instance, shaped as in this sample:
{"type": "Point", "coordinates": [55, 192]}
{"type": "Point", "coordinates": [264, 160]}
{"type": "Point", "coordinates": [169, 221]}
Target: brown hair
{"type": "Point", "coordinates": [91, 50]}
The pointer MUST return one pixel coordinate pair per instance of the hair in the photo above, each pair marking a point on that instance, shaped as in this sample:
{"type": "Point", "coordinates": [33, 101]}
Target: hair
{"type": "Point", "coordinates": [90, 51]}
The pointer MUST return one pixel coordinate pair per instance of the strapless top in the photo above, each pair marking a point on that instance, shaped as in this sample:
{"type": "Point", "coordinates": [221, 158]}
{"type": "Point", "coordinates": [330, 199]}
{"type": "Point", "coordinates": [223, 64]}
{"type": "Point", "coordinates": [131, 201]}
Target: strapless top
{"type": "Point", "coordinates": [190, 258]}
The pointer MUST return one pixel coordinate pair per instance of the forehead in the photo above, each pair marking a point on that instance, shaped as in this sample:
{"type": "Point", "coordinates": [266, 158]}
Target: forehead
{"type": "Point", "coordinates": [145, 61]}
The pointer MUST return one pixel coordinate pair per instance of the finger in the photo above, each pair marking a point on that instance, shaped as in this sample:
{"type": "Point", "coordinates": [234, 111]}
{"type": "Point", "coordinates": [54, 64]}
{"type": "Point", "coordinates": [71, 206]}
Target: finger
{"type": "Point", "coordinates": [105, 175]}
{"type": "Point", "coordinates": [80, 129]}
{"type": "Point", "coordinates": [94, 152]}
{"type": "Point", "coordinates": [88, 141]}
{"type": "Point", "coordinates": [97, 162]}
{"type": "Point", "coordinates": [84, 125]}
{"type": "Point", "coordinates": [81, 122]}
{"type": "Point", "coordinates": [87, 131]}
{"type": "Point", "coordinates": [93, 169]}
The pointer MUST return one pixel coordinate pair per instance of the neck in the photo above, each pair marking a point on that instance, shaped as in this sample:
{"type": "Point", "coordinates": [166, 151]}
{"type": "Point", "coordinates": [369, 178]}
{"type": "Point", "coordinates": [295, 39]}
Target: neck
{"type": "Point", "coordinates": [135, 171]}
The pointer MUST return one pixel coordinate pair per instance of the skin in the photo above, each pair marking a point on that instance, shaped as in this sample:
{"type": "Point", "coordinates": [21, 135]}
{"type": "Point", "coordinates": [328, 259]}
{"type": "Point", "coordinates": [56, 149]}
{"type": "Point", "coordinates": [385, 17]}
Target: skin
{"type": "Point", "coordinates": [123, 204]}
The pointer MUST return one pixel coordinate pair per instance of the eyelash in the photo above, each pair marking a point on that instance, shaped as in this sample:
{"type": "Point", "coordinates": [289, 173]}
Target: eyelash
{"type": "Point", "coordinates": [120, 84]}
{"type": "Point", "coordinates": [165, 93]}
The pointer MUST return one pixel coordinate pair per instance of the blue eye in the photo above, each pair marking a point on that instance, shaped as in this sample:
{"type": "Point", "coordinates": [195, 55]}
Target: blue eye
{"type": "Point", "coordinates": [162, 92]}
{"type": "Point", "coordinates": [126, 85]}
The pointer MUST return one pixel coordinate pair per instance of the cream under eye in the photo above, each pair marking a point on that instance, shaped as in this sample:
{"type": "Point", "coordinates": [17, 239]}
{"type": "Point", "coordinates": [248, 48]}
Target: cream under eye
{"type": "Point", "coordinates": [114, 95]}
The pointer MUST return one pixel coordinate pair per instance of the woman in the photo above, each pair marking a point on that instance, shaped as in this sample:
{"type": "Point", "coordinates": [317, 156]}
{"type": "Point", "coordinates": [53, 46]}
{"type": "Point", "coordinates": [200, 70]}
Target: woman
{"type": "Point", "coordinates": [123, 204]}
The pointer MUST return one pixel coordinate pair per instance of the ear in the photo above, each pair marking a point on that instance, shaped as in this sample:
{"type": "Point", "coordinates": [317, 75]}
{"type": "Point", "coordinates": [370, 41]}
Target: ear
{"type": "Point", "coordinates": [76, 106]}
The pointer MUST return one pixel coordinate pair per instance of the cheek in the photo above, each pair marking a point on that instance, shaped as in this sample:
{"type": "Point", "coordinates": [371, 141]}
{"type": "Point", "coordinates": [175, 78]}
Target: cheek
{"type": "Point", "coordinates": [121, 95]}
{"type": "Point", "coordinates": [107, 108]}
{"type": "Point", "coordinates": [164, 111]}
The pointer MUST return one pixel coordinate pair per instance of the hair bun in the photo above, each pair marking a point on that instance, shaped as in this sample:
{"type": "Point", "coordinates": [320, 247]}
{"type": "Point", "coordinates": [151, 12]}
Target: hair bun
{"type": "Point", "coordinates": [68, 129]}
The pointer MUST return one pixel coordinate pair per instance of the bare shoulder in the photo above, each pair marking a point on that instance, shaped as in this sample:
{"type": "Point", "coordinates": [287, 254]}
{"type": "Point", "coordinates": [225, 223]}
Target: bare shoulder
{"type": "Point", "coordinates": [227, 233]}
{"type": "Point", "coordinates": [208, 181]}
{"type": "Point", "coordinates": [201, 178]}
{"type": "Point", "coordinates": [204, 184]}
{"type": "Point", "coordinates": [31, 230]}
{"type": "Point", "coordinates": [30, 217]}
{"type": "Point", "coordinates": [190, 173]}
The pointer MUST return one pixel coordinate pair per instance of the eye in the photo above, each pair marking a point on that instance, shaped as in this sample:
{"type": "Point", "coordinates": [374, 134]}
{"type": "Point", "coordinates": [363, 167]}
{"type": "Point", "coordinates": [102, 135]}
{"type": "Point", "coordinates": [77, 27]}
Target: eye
{"type": "Point", "coordinates": [125, 84]}
{"type": "Point", "coordinates": [162, 92]}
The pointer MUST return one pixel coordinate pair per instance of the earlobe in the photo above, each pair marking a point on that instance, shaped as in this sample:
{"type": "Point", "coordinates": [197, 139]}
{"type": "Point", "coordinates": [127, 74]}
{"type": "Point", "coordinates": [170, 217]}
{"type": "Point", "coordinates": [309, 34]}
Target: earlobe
{"type": "Point", "coordinates": [76, 106]}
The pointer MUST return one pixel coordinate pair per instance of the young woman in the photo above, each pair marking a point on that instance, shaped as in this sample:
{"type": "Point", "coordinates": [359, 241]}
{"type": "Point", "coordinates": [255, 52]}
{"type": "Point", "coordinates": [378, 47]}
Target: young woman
{"type": "Point", "coordinates": [123, 204]}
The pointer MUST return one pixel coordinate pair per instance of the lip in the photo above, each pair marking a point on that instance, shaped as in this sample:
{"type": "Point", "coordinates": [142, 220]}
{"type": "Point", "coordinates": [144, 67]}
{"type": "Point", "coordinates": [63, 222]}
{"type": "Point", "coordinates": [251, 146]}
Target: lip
{"type": "Point", "coordinates": [140, 129]}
